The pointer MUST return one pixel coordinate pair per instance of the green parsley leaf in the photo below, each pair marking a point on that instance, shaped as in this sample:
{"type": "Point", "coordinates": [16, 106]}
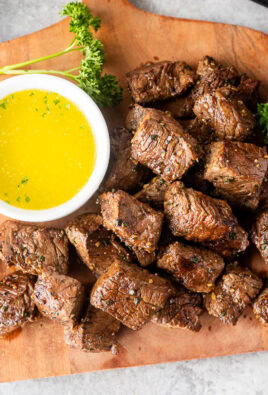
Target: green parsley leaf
{"type": "Point", "coordinates": [104, 89]}
{"type": "Point", "coordinates": [262, 112]}
{"type": "Point", "coordinates": [24, 180]}
{"type": "Point", "coordinates": [232, 235]}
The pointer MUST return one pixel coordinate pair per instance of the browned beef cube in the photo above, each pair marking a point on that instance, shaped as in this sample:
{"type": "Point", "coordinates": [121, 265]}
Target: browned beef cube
{"type": "Point", "coordinates": [59, 297]}
{"type": "Point", "coordinates": [158, 81]}
{"type": "Point", "coordinates": [181, 311]}
{"type": "Point", "coordinates": [234, 243]}
{"type": "Point", "coordinates": [237, 171]}
{"type": "Point", "coordinates": [260, 233]}
{"type": "Point", "coordinates": [248, 91]}
{"type": "Point", "coordinates": [16, 302]}
{"type": "Point", "coordinates": [145, 258]}
{"type": "Point", "coordinates": [213, 75]}
{"type": "Point", "coordinates": [233, 293]}
{"type": "Point", "coordinates": [229, 116]}
{"type": "Point", "coordinates": [198, 129]}
{"type": "Point", "coordinates": [136, 223]}
{"type": "Point", "coordinates": [123, 173]}
{"type": "Point", "coordinates": [179, 107]}
{"type": "Point", "coordinates": [135, 116]}
{"type": "Point", "coordinates": [260, 307]}
{"type": "Point", "coordinates": [264, 191]}
{"type": "Point", "coordinates": [201, 218]}
{"type": "Point", "coordinates": [95, 245]}
{"type": "Point", "coordinates": [196, 268]}
{"type": "Point", "coordinates": [154, 192]}
{"type": "Point", "coordinates": [96, 332]}
{"type": "Point", "coordinates": [33, 249]}
{"type": "Point", "coordinates": [194, 178]}
{"type": "Point", "coordinates": [130, 294]}
{"type": "Point", "coordinates": [161, 144]}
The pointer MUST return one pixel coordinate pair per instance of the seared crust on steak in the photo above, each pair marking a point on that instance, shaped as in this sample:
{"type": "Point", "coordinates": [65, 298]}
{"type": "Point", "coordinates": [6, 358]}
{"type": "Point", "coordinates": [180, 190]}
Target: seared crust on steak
{"type": "Point", "coordinates": [259, 233]}
{"type": "Point", "coordinates": [95, 333]}
{"type": "Point", "coordinates": [198, 217]}
{"type": "Point", "coordinates": [158, 81]}
{"type": "Point", "coordinates": [237, 288]}
{"type": "Point", "coordinates": [33, 249]}
{"type": "Point", "coordinates": [213, 75]}
{"type": "Point", "coordinates": [136, 223]}
{"type": "Point", "coordinates": [196, 268]}
{"type": "Point", "coordinates": [59, 297]}
{"type": "Point", "coordinates": [237, 171]}
{"type": "Point", "coordinates": [130, 294]}
{"type": "Point", "coordinates": [198, 130]}
{"type": "Point", "coordinates": [16, 302]}
{"type": "Point", "coordinates": [154, 192]}
{"type": "Point", "coordinates": [181, 311]}
{"type": "Point", "coordinates": [161, 144]}
{"type": "Point", "coordinates": [123, 172]}
{"type": "Point", "coordinates": [180, 107]}
{"type": "Point", "coordinates": [228, 116]}
{"type": "Point", "coordinates": [260, 307]}
{"type": "Point", "coordinates": [95, 245]}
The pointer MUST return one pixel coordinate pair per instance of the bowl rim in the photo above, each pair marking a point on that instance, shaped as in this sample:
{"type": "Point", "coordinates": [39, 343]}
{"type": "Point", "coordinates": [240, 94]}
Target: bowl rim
{"type": "Point", "coordinates": [100, 134]}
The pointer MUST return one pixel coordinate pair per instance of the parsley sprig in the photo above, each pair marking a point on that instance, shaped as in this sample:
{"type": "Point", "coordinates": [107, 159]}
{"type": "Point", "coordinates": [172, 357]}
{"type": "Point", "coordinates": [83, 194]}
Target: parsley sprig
{"type": "Point", "coordinates": [263, 119]}
{"type": "Point", "coordinates": [103, 88]}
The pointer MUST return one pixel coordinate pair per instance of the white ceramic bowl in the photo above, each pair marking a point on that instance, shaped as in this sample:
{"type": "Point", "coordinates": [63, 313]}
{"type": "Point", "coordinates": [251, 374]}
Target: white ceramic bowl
{"type": "Point", "coordinates": [100, 133]}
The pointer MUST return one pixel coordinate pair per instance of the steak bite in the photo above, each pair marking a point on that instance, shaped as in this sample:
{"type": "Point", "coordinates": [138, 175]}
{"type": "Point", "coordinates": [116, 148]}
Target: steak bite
{"type": "Point", "coordinates": [154, 192]}
{"type": "Point", "coordinates": [180, 311]}
{"type": "Point", "coordinates": [232, 245]}
{"type": "Point", "coordinates": [259, 234]}
{"type": "Point", "coordinates": [248, 91]}
{"type": "Point", "coordinates": [194, 178]}
{"type": "Point", "coordinates": [95, 245]}
{"type": "Point", "coordinates": [198, 130]}
{"type": "Point", "coordinates": [33, 249]}
{"type": "Point", "coordinates": [135, 116]}
{"type": "Point", "coordinates": [196, 268]}
{"type": "Point", "coordinates": [237, 171]}
{"type": "Point", "coordinates": [179, 107]}
{"type": "Point", "coordinates": [130, 294]}
{"type": "Point", "coordinates": [229, 116]}
{"type": "Point", "coordinates": [136, 223]}
{"type": "Point", "coordinates": [123, 173]}
{"type": "Point", "coordinates": [16, 302]}
{"type": "Point", "coordinates": [59, 297]}
{"type": "Point", "coordinates": [161, 144]}
{"type": "Point", "coordinates": [95, 333]}
{"type": "Point", "coordinates": [201, 218]}
{"type": "Point", "coordinates": [260, 307]}
{"type": "Point", "coordinates": [145, 258]}
{"type": "Point", "coordinates": [158, 81]}
{"type": "Point", "coordinates": [213, 75]}
{"type": "Point", "coordinates": [237, 288]}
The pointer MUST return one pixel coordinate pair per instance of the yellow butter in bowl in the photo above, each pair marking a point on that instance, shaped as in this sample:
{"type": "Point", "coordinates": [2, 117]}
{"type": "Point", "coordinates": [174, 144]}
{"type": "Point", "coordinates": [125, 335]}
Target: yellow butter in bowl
{"type": "Point", "coordinates": [47, 149]}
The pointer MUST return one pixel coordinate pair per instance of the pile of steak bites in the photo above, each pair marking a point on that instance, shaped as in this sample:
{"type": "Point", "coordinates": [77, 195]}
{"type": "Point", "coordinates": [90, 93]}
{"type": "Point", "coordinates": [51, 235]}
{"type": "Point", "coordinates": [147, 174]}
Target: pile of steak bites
{"type": "Point", "coordinates": [188, 166]}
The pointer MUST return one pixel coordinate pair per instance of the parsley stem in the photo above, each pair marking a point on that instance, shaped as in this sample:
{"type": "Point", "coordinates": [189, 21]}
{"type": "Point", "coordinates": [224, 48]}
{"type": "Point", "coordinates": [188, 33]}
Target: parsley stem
{"type": "Point", "coordinates": [5, 69]}
{"type": "Point", "coordinates": [73, 69]}
{"type": "Point", "coordinates": [63, 73]}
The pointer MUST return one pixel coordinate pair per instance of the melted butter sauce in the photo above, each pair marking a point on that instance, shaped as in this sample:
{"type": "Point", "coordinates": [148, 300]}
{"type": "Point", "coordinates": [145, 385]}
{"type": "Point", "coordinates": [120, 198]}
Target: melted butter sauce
{"type": "Point", "coordinates": [47, 149]}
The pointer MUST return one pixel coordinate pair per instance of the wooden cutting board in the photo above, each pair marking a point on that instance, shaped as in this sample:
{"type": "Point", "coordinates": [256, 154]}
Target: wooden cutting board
{"type": "Point", "coordinates": [132, 36]}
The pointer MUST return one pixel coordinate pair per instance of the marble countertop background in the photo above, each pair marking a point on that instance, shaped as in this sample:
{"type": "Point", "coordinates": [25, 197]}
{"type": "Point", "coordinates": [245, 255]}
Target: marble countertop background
{"type": "Point", "coordinates": [239, 375]}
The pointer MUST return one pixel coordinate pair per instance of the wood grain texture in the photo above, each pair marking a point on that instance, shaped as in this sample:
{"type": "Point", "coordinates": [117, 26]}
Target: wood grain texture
{"type": "Point", "coordinates": [132, 36]}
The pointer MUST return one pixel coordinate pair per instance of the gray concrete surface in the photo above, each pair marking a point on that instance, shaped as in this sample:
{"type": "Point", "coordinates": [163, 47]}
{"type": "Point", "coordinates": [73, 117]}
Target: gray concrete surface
{"type": "Point", "coordinates": [238, 375]}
